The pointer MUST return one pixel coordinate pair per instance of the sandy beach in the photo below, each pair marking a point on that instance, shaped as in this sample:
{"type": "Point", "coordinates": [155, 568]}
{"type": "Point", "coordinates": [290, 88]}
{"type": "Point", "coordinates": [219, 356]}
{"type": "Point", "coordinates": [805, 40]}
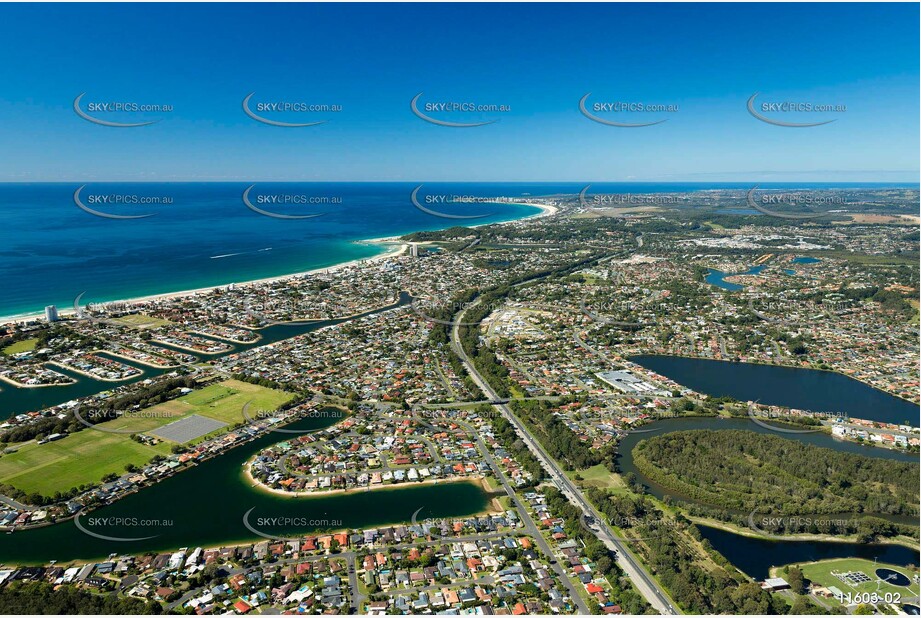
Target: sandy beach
{"type": "Point", "coordinates": [320, 493]}
{"type": "Point", "coordinates": [259, 485]}
{"type": "Point", "coordinates": [392, 252]}
{"type": "Point", "coordinates": [394, 244]}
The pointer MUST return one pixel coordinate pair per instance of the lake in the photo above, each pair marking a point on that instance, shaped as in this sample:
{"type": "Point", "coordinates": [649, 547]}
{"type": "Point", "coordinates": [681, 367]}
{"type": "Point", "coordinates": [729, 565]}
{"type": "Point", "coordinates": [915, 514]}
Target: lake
{"type": "Point", "coordinates": [755, 557]}
{"type": "Point", "coordinates": [204, 507]}
{"type": "Point", "coordinates": [717, 278]}
{"type": "Point", "coordinates": [794, 387]}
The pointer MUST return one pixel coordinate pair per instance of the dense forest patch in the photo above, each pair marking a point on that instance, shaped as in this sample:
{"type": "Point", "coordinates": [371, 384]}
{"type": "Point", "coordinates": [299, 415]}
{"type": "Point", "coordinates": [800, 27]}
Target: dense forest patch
{"type": "Point", "coordinates": [737, 472]}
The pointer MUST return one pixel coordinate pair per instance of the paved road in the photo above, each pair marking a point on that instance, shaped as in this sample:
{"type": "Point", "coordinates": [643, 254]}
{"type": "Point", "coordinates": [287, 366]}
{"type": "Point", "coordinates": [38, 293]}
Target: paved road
{"type": "Point", "coordinates": [19, 506]}
{"type": "Point", "coordinates": [648, 587]}
{"type": "Point", "coordinates": [487, 580]}
{"type": "Point", "coordinates": [356, 598]}
{"type": "Point", "coordinates": [530, 527]}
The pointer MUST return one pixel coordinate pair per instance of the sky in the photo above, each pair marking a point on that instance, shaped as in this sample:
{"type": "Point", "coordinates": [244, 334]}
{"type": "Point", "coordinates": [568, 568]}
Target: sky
{"type": "Point", "coordinates": [704, 60]}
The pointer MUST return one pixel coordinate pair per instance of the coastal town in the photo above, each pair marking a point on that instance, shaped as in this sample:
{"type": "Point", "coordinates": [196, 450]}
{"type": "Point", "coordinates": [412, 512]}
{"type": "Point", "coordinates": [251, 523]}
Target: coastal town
{"type": "Point", "coordinates": [348, 382]}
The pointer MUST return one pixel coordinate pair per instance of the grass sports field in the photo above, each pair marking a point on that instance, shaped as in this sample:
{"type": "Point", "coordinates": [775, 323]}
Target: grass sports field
{"type": "Point", "coordinates": [81, 458]}
{"type": "Point", "coordinates": [88, 455]}
{"type": "Point", "coordinates": [26, 345]}
{"type": "Point", "coordinates": [821, 573]}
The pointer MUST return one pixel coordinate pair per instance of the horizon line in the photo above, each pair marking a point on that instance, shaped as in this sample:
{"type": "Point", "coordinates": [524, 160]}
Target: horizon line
{"type": "Point", "coordinates": [277, 180]}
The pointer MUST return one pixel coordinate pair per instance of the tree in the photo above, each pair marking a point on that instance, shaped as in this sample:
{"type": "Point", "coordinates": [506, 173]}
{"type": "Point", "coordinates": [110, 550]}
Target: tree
{"type": "Point", "coordinates": [796, 581]}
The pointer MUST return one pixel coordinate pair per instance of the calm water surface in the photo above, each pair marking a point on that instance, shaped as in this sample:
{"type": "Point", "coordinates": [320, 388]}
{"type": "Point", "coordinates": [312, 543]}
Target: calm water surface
{"type": "Point", "coordinates": [204, 506]}
{"type": "Point", "coordinates": [805, 389]}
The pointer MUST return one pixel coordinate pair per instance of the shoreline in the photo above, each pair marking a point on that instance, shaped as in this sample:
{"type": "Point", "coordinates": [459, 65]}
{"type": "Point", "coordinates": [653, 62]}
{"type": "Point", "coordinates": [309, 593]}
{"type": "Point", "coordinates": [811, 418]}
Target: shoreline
{"type": "Point", "coordinates": [766, 364]}
{"type": "Point", "coordinates": [492, 507]}
{"type": "Point", "coordinates": [478, 480]}
{"type": "Point", "coordinates": [392, 246]}
{"type": "Point", "coordinates": [803, 537]}
{"type": "Point", "coordinates": [18, 319]}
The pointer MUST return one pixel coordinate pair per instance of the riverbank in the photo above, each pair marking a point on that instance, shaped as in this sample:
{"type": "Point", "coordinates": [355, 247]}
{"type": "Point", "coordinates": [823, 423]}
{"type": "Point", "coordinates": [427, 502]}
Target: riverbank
{"type": "Point", "coordinates": [834, 372]}
{"type": "Point", "coordinates": [248, 540]}
{"type": "Point", "coordinates": [20, 385]}
{"type": "Point", "coordinates": [260, 486]}
{"type": "Point", "coordinates": [804, 537]}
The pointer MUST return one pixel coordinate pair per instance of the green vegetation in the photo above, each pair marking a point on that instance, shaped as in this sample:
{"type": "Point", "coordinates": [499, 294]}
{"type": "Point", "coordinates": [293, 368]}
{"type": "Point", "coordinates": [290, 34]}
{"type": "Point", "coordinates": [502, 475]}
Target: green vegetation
{"type": "Point", "coordinates": [908, 259]}
{"type": "Point", "coordinates": [224, 402]}
{"type": "Point", "coordinates": [560, 441]}
{"type": "Point", "coordinates": [737, 472]}
{"type": "Point", "coordinates": [820, 573]}
{"type": "Point", "coordinates": [623, 592]}
{"type": "Point", "coordinates": [699, 579]}
{"type": "Point", "coordinates": [143, 397]}
{"type": "Point", "coordinates": [139, 320]}
{"type": "Point", "coordinates": [507, 435]}
{"type": "Point", "coordinates": [26, 598]}
{"type": "Point", "coordinates": [23, 345]}
{"type": "Point", "coordinates": [38, 473]}
{"type": "Point", "coordinates": [80, 459]}
{"type": "Point", "coordinates": [596, 476]}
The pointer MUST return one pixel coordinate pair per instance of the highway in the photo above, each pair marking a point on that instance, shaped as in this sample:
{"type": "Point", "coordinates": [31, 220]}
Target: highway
{"type": "Point", "coordinates": [654, 594]}
{"type": "Point", "coordinates": [526, 519]}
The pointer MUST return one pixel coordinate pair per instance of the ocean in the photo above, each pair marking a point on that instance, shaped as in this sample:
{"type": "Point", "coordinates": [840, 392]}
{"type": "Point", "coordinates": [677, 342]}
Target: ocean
{"type": "Point", "coordinates": [204, 234]}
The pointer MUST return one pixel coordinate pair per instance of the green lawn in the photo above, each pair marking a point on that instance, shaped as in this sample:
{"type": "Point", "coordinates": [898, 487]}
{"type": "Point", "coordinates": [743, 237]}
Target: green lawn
{"type": "Point", "coordinates": [26, 345]}
{"type": "Point", "coordinates": [80, 458]}
{"type": "Point", "coordinates": [820, 573]}
{"type": "Point", "coordinates": [141, 321]}
{"type": "Point", "coordinates": [596, 476]}
{"type": "Point", "coordinates": [88, 455]}
{"type": "Point", "coordinates": [225, 401]}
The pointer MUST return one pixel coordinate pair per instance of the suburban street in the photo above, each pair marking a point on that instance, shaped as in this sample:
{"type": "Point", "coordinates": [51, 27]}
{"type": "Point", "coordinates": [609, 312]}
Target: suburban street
{"type": "Point", "coordinates": [530, 527]}
{"type": "Point", "coordinates": [654, 594]}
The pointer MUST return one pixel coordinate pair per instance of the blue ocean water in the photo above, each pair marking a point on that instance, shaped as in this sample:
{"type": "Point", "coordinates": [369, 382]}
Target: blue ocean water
{"type": "Point", "coordinates": [51, 250]}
